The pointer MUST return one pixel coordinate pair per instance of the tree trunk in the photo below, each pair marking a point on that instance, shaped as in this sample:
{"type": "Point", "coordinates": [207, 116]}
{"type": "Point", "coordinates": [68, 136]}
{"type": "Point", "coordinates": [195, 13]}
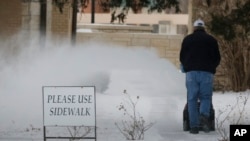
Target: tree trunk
{"type": "Point", "coordinates": [190, 15]}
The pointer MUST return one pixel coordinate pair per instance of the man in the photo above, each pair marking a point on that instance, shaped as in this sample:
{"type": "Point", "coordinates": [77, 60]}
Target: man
{"type": "Point", "coordinates": [199, 57]}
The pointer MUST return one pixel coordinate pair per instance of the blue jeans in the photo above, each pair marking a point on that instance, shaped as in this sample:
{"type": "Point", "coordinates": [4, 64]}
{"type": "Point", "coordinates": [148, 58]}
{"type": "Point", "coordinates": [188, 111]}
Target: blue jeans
{"type": "Point", "coordinates": [199, 87]}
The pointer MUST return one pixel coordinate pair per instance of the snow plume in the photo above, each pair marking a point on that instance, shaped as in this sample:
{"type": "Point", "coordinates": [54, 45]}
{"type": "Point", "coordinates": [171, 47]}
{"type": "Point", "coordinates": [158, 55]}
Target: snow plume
{"type": "Point", "coordinates": [111, 68]}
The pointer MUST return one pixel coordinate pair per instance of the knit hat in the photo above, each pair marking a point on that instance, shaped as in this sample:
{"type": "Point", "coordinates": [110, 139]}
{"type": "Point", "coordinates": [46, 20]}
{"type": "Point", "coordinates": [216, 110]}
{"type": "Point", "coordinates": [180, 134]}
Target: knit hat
{"type": "Point", "coordinates": [199, 23]}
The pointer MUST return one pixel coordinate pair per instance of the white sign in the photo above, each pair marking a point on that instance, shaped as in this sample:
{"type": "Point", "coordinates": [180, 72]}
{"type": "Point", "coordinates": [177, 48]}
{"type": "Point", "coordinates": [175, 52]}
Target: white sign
{"type": "Point", "coordinates": [69, 106]}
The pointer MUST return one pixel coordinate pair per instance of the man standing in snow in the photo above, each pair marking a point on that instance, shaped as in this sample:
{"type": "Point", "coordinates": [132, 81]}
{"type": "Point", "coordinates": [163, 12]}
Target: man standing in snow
{"type": "Point", "coordinates": [199, 57]}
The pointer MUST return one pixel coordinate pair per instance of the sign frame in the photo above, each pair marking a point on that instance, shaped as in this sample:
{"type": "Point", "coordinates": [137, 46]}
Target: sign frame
{"type": "Point", "coordinates": [48, 125]}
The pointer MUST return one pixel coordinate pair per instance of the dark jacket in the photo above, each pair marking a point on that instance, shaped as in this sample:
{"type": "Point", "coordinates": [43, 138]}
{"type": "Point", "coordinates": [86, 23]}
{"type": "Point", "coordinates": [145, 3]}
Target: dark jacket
{"type": "Point", "coordinates": [200, 52]}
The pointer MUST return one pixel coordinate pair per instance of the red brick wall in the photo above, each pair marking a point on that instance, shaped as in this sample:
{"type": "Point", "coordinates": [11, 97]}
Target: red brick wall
{"type": "Point", "coordinates": [11, 17]}
{"type": "Point", "coordinates": [98, 8]}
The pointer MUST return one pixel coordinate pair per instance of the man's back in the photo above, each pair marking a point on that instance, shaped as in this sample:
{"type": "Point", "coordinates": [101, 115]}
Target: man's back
{"type": "Point", "coordinates": [200, 52]}
{"type": "Point", "coordinates": [199, 56]}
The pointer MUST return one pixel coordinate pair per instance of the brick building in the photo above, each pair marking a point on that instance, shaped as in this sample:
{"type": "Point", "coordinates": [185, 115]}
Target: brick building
{"type": "Point", "coordinates": [11, 17]}
{"type": "Point", "coordinates": [22, 18]}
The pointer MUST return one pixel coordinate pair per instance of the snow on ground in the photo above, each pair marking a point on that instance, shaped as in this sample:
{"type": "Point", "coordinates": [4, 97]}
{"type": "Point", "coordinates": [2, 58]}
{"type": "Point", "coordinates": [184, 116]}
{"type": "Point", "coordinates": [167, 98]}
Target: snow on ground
{"type": "Point", "coordinates": [112, 70]}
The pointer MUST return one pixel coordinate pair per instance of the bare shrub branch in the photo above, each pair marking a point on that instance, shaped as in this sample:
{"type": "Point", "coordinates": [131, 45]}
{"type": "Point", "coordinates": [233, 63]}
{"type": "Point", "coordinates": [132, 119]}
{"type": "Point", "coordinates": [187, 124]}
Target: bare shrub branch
{"type": "Point", "coordinates": [134, 126]}
{"type": "Point", "coordinates": [231, 115]}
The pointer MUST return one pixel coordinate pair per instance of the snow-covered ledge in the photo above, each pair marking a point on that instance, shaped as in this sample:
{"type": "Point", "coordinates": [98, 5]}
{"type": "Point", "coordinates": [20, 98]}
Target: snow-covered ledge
{"type": "Point", "coordinates": [114, 28]}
